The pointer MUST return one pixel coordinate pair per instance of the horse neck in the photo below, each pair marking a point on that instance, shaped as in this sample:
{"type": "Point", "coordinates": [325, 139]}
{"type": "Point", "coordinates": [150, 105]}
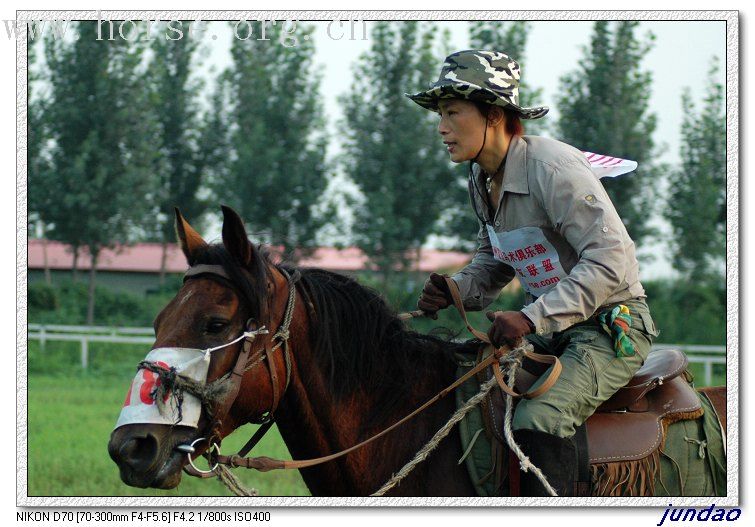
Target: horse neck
{"type": "Point", "coordinates": [314, 424]}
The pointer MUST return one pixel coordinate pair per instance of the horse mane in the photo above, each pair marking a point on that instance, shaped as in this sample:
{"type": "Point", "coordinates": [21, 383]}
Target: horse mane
{"type": "Point", "coordinates": [362, 345]}
{"type": "Point", "coordinates": [357, 338]}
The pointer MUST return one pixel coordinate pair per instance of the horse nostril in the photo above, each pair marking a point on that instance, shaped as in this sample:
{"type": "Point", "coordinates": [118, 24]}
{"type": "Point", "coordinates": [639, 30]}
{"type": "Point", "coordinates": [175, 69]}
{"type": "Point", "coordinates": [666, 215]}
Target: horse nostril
{"type": "Point", "coordinates": [139, 452]}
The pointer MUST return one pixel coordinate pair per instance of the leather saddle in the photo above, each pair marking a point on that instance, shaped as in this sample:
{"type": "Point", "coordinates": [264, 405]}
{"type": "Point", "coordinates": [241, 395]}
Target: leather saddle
{"type": "Point", "coordinates": [657, 395]}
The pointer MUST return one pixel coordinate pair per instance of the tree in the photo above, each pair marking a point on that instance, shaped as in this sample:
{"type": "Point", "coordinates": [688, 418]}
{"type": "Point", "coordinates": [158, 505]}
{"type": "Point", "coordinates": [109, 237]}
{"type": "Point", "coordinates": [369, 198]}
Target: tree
{"type": "Point", "coordinates": [392, 148]}
{"type": "Point", "coordinates": [40, 195]}
{"type": "Point", "coordinates": [276, 170]}
{"type": "Point", "coordinates": [696, 205]}
{"type": "Point", "coordinates": [604, 108]}
{"type": "Point", "coordinates": [103, 157]}
{"type": "Point", "coordinates": [175, 106]}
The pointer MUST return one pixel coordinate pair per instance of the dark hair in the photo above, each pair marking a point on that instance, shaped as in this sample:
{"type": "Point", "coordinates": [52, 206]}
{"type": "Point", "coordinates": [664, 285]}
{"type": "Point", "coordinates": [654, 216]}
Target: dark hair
{"type": "Point", "coordinates": [514, 124]}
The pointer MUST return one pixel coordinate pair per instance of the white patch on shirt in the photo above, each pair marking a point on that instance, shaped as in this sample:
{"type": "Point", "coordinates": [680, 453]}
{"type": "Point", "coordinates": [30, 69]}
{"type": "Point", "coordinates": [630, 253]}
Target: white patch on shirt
{"type": "Point", "coordinates": [532, 256]}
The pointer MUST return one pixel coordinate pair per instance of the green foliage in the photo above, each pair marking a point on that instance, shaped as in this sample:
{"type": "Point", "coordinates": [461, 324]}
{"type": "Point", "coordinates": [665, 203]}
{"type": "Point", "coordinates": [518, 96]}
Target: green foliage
{"type": "Point", "coordinates": [40, 195]}
{"type": "Point", "coordinates": [392, 148]}
{"type": "Point", "coordinates": [697, 194]}
{"type": "Point", "coordinates": [688, 312]}
{"type": "Point", "coordinates": [275, 161]}
{"type": "Point", "coordinates": [173, 97]}
{"type": "Point", "coordinates": [67, 302]}
{"type": "Point", "coordinates": [605, 108]}
{"type": "Point", "coordinates": [103, 151]}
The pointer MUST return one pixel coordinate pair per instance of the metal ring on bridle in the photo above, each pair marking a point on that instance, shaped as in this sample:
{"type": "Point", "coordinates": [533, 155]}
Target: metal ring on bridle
{"type": "Point", "coordinates": [213, 447]}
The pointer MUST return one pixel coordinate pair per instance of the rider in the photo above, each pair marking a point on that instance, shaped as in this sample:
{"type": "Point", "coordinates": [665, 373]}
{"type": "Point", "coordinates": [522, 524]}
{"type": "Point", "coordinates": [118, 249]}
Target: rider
{"type": "Point", "coordinates": [545, 217]}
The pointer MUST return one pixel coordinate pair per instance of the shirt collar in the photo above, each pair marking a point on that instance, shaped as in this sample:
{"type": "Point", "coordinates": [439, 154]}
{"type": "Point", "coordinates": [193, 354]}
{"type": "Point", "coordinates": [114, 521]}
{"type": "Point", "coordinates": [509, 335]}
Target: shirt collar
{"type": "Point", "coordinates": [515, 169]}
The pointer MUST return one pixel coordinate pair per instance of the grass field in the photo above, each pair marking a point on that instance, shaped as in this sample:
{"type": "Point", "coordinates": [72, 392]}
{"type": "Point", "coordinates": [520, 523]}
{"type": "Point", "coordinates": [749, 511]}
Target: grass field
{"type": "Point", "coordinates": [71, 413]}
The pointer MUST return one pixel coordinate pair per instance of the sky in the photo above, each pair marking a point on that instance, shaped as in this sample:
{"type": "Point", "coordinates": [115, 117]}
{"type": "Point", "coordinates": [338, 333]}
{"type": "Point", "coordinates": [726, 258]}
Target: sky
{"type": "Point", "coordinates": [679, 59]}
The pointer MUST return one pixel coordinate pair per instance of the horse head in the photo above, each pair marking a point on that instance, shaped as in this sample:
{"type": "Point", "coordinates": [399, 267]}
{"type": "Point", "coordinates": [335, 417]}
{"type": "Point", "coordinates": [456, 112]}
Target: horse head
{"type": "Point", "coordinates": [216, 363]}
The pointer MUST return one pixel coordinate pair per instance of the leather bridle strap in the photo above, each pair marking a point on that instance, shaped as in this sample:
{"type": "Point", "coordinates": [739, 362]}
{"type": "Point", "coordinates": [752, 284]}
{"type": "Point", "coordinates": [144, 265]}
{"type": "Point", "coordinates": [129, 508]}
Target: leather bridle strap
{"type": "Point", "coordinates": [242, 362]}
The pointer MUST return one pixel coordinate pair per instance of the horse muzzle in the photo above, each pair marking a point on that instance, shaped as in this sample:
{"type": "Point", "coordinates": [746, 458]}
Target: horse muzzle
{"type": "Point", "coordinates": [146, 455]}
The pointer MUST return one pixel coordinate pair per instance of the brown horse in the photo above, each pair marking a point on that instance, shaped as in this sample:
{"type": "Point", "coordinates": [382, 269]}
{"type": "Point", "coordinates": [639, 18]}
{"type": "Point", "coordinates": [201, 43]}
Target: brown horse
{"type": "Point", "coordinates": [353, 370]}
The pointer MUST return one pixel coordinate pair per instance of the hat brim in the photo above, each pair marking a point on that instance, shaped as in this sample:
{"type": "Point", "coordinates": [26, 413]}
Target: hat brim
{"type": "Point", "coordinates": [464, 90]}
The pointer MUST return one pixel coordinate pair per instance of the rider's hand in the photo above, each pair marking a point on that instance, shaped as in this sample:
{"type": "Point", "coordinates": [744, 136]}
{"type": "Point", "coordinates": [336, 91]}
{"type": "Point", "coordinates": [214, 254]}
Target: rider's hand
{"type": "Point", "coordinates": [435, 295]}
{"type": "Point", "coordinates": [508, 327]}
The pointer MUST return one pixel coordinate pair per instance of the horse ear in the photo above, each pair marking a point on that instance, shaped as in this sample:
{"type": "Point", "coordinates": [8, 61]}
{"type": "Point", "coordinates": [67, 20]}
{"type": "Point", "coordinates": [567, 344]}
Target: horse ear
{"type": "Point", "coordinates": [235, 239]}
{"type": "Point", "coordinates": [188, 238]}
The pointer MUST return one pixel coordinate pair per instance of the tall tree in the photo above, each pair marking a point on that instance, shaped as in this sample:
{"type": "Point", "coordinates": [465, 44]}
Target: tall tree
{"type": "Point", "coordinates": [40, 194]}
{"type": "Point", "coordinates": [104, 152]}
{"type": "Point", "coordinates": [276, 169]}
{"type": "Point", "coordinates": [174, 97]}
{"type": "Point", "coordinates": [696, 205]}
{"type": "Point", "coordinates": [604, 108]}
{"type": "Point", "coordinates": [392, 148]}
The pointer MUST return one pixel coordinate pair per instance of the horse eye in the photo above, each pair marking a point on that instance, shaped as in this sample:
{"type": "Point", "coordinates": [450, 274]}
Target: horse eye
{"type": "Point", "coordinates": [216, 326]}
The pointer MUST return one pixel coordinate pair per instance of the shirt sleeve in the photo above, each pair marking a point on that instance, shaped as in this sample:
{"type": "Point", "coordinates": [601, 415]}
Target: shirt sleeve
{"type": "Point", "coordinates": [581, 211]}
{"type": "Point", "coordinates": [481, 281]}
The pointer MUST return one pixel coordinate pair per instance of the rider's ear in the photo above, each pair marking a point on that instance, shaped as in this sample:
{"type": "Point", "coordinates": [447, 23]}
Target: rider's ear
{"type": "Point", "coordinates": [496, 116]}
{"type": "Point", "coordinates": [188, 238]}
{"type": "Point", "coordinates": [235, 239]}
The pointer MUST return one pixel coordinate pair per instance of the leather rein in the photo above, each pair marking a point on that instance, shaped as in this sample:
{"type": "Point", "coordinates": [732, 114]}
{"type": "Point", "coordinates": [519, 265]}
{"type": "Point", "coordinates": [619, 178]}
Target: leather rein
{"type": "Point", "coordinates": [263, 463]}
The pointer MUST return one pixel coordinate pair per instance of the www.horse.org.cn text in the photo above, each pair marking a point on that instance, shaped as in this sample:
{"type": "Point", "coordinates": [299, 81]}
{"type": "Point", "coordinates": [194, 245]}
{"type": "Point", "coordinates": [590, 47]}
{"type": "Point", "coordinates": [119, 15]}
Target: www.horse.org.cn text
{"type": "Point", "coordinates": [287, 33]}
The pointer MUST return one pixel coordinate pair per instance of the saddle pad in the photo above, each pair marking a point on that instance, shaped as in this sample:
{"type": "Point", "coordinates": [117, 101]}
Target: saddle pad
{"type": "Point", "coordinates": [476, 443]}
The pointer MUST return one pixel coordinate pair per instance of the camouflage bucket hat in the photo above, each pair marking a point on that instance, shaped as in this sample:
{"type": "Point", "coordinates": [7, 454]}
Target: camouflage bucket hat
{"type": "Point", "coordinates": [483, 76]}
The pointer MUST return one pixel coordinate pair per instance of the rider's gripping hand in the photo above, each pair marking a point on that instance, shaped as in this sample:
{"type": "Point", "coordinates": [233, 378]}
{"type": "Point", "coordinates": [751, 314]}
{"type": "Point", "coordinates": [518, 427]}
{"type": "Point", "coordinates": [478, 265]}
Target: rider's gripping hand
{"type": "Point", "coordinates": [508, 327]}
{"type": "Point", "coordinates": [435, 295]}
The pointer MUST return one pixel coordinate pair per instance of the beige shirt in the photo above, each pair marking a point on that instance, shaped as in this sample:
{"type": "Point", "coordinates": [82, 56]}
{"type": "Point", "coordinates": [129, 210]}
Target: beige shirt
{"type": "Point", "coordinates": [551, 198]}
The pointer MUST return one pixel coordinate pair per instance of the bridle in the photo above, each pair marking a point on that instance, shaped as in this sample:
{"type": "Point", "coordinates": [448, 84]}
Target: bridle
{"type": "Point", "coordinates": [245, 362]}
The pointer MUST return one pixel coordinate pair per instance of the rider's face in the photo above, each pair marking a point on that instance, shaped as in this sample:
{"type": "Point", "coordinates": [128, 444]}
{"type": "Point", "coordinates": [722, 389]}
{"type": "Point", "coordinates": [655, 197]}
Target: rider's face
{"type": "Point", "coordinates": [462, 128]}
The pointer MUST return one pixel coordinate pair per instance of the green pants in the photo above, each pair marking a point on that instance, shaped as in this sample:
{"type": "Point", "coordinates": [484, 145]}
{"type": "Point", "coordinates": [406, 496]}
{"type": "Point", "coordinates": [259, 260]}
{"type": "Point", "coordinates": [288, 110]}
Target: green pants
{"type": "Point", "coordinates": [591, 373]}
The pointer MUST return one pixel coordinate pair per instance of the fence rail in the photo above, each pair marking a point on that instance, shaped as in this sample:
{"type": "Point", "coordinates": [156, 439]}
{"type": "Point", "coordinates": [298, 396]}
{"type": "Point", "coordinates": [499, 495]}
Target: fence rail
{"type": "Point", "coordinates": [702, 354]}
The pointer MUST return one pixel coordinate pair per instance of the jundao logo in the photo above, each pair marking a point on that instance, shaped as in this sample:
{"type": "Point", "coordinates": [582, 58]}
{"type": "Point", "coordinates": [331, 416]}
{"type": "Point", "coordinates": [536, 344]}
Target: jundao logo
{"type": "Point", "coordinates": [701, 515]}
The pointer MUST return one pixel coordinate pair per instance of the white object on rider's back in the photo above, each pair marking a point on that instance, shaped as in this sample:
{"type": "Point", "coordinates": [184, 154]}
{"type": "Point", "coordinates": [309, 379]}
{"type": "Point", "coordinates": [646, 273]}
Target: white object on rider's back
{"type": "Point", "coordinates": [607, 166]}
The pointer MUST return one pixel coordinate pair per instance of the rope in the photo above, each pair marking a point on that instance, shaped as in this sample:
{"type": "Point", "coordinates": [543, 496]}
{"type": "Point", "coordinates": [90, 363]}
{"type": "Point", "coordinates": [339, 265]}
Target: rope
{"type": "Point", "coordinates": [244, 335]}
{"type": "Point", "coordinates": [437, 438]}
{"type": "Point", "coordinates": [514, 359]}
{"type": "Point", "coordinates": [233, 483]}
{"type": "Point", "coordinates": [524, 462]}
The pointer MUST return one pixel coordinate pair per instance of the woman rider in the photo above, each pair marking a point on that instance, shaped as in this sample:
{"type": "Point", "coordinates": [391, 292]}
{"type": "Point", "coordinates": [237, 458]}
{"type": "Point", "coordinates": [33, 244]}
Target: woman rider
{"type": "Point", "coordinates": [545, 218]}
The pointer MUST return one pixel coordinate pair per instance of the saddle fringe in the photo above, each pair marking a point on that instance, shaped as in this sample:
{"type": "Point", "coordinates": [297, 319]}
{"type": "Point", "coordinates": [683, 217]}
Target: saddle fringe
{"type": "Point", "coordinates": [635, 478]}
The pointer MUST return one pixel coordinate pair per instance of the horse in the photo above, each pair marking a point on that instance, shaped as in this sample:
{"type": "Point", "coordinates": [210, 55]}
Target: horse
{"type": "Point", "coordinates": [351, 369]}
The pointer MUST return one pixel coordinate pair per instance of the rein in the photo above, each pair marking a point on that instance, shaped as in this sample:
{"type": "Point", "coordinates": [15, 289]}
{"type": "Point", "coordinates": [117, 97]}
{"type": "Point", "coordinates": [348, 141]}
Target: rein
{"type": "Point", "coordinates": [264, 464]}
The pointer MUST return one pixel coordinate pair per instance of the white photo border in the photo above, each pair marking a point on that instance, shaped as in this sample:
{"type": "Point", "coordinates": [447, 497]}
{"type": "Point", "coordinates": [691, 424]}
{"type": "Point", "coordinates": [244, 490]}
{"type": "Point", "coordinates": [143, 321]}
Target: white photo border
{"type": "Point", "coordinates": [732, 253]}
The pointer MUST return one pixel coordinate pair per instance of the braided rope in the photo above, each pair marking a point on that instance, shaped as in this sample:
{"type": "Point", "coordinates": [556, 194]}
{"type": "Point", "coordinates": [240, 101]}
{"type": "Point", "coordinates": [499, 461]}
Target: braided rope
{"type": "Point", "coordinates": [524, 462]}
{"type": "Point", "coordinates": [233, 483]}
{"type": "Point", "coordinates": [437, 438]}
{"type": "Point", "coordinates": [513, 359]}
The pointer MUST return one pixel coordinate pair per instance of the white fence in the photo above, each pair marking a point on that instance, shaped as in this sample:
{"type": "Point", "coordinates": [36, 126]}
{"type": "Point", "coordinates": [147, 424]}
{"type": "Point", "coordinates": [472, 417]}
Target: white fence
{"type": "Point", "coordinates": [87, 334]}
{"type": "Point", "coordinates": [705, 355]}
